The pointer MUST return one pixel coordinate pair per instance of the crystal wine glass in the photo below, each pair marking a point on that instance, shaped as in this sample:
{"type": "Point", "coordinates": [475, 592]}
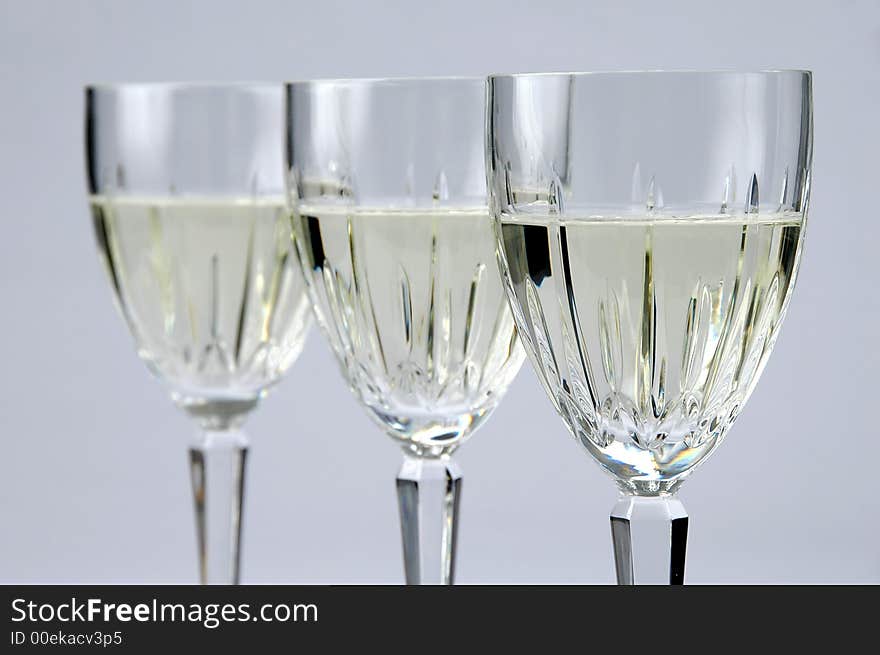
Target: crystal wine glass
{"type": "Point", "coordinates": [186, 189]}
{"type": "Point", "coordinates": [649, 228]}
{"type": "Point", "coordinates": [388, 190]}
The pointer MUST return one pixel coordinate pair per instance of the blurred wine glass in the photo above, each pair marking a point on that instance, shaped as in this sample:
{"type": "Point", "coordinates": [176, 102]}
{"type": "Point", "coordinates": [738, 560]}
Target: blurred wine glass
{"type": "Point", "coordinates": [187, 197]}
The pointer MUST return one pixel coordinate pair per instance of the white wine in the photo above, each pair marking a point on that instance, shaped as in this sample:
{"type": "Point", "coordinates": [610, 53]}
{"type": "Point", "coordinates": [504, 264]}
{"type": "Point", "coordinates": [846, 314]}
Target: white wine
{"type": "Point", "coordinates": [210, 291]}
{"type": "Point", "coordinates": [650, 333]}
{"type": "Point", "coordinates": [413, 306]}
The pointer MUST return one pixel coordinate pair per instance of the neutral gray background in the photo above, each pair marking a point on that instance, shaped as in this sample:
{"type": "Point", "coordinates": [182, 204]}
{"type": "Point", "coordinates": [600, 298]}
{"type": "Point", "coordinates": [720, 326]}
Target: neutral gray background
{"type": "Point", "coordinates": [93, 476]}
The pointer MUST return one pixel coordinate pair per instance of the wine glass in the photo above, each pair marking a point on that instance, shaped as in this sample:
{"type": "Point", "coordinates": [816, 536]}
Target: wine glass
{"type": "Point", "coordinates": [388, 190]}
{"type": "Point", "coordinates": [186, 188]}
{"type": "Point", "coordinates": [649, 228]}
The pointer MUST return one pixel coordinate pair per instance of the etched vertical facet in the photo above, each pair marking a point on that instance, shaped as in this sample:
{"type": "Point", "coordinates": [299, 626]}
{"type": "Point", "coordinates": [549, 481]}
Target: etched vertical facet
{"type": "Point", "coordinates": [752, 199]}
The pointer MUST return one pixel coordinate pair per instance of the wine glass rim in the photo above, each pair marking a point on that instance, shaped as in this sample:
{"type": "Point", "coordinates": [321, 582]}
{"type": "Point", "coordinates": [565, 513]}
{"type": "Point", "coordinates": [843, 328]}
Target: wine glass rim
{"type": "Point", "coordinates": [183, 86]}
{"type": "Point", "coordinates": [658, 71]}
{"type": "Point", "coordinates": [405, 79]}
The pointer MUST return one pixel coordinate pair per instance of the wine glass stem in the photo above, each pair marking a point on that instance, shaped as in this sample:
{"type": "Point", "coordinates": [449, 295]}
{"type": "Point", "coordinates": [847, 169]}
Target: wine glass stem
{"type": "Point", "coordinates": [650, 540]}
{"type": "Point", "coordinates": [428, 492]}
{"type": "Point", "coordinates": [217, 464]}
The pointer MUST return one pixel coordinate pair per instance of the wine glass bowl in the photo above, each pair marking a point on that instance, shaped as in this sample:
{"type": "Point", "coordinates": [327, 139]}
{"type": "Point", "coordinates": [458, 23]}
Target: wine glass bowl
{"type": "Point", "coordinates": [191, 221]}
{"type": "Point", "coordinates": [649, 229]}
{"type": "Point", "coordinates": [205, 287]}
{"type": "Point", "coordinates": [416, 316]}
{"type": "Point", "coordinates": [186, 187]}
{"type": "Point", "coordinates": [399, 252]}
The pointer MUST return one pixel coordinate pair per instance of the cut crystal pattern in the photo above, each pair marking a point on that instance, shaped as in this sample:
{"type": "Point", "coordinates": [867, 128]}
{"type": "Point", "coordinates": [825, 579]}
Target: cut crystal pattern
{"type": "Point", "coordinates": [419, 324]}
{"type": "Point", "coordinates": [649, 333]}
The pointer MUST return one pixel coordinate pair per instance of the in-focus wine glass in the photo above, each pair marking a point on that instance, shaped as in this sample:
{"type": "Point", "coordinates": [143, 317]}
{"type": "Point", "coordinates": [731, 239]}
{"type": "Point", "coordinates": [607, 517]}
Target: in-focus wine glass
{"type": "Point", "coordinates": [649, 228]}
{"type": "Point", "coordinates": [388, 190]}
{"type": "Point", "coordinates": [187, 198]}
